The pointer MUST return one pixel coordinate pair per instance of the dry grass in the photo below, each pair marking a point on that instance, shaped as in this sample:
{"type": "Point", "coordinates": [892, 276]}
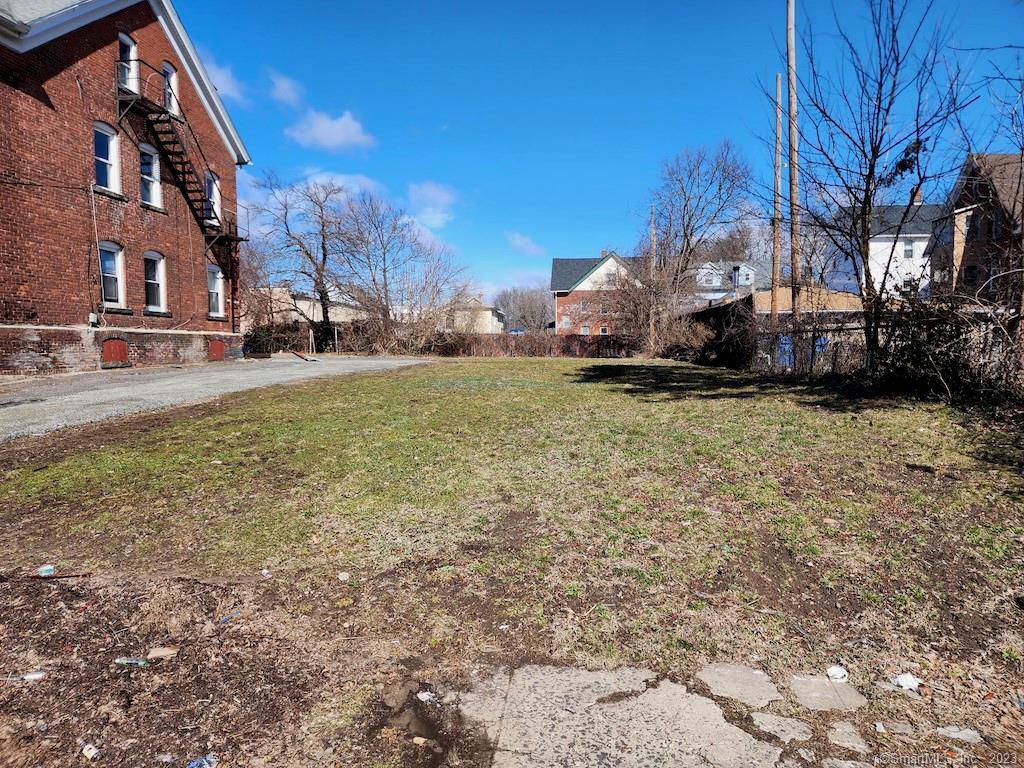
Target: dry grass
{"type": "Point", "coordinates": [583, 511]}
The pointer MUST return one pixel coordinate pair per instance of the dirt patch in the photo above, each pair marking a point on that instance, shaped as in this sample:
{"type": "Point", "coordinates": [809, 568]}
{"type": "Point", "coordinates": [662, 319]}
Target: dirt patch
{"type": "Point", "coordinates": [218, 692]}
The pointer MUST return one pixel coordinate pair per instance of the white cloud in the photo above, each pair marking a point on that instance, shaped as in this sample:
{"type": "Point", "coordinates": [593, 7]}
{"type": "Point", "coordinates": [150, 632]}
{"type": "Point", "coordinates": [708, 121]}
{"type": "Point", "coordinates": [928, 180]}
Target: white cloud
{"type": "Point", "coordinates": [223, 77]}
{"type": "Point", "coordinates": [352, 182]}
{"type": "Point", "coordinates": [524, 245]}
{"type": "Point", "coordinates": [317, 129]}
{"type": "Point", "coordinates": [285, 90]}
{"type": "Point", "coordinates": [431, 203]}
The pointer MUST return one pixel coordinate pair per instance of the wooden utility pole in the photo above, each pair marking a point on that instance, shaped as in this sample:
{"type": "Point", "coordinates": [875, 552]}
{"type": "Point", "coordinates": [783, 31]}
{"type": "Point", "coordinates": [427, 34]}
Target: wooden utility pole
{"type": "Point", "coordinates": [654, 290]}
{"type": "Point", "coordinates": [794, 163]}
{"type": "Point", "coordinates": [777, 204]}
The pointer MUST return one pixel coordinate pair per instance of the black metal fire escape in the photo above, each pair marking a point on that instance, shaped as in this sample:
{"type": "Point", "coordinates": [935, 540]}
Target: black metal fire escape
{"type": "Point", "coordinates": [145, 91]}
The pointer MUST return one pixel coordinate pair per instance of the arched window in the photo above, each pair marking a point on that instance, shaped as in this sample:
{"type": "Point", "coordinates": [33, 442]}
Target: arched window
{"type": "Point", "coordinates": [112, 294]}
{"type": "Point", "coordinates": [171, 103]}
{"type": "Point", "coordinates": [108, 160]}
{"type": "Point", "coordinates": [127, 63]}
{"type": "Point", "coordinates": [154, 274]}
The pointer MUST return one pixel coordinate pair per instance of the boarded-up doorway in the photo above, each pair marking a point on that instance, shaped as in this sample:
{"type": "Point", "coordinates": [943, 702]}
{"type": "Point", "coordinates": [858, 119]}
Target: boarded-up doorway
{"type": "Point", "coordinates": [215, 350]}
{"type": "Point", "coordinates": [114, 354]}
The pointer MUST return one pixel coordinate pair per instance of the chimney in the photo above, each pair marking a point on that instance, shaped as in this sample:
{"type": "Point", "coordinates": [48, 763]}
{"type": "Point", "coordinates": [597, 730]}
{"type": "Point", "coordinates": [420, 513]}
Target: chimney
{"type": "Point", "coordinates": [915, 196]}
{"type": "Point", "coordinates": [603, 253]}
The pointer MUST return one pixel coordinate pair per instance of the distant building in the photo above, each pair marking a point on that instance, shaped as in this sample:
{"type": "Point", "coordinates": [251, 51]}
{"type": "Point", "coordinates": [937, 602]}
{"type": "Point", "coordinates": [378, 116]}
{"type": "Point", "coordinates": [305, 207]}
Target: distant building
{"type": "Point", "coordinates": [280, 304]}
{"type": "Point", "coordinates": [898, 249]}
{"type": "Point", "coordinates": [584, 293]}
{"type": "Point", "coordinates": [723, 280]}
{"type": "Point", "coordinates": [976, 248]}
{"type": "Point", "coordinates": [474, 316]}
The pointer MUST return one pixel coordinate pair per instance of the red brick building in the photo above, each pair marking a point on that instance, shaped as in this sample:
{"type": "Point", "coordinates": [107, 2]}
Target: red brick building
{"type": "Point", "coordinates": [583, 291]}
{"type": "Point", "coordinates": [118, 217]}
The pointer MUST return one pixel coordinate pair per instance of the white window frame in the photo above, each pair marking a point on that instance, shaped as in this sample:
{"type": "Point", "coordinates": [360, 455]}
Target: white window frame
{"type": "Point", "coordinates": [156, 194]}
{"type": "Point", "coordinates": [118, 251]}
{"type": "Point", "coordinates": [603, 331]}
{"type": "Point", "coordinates": [172, 102]}
{"type": "Point", "coordinates": [212, 184]}
{"type": "Point", "coordinates": [113, 163]}
{"type": "Point", "coordinates": [584, 330]}
{"type": "Point", "coordinates": [908, 248]}
{"type": "Point", "coordinates": [161, 280]}
{"type": "Point", "coordinates": [566, 321]}
{"type": "Point", "coordinates": [211, 270]}
{"type": "Point", "coordinates": [130, 74]}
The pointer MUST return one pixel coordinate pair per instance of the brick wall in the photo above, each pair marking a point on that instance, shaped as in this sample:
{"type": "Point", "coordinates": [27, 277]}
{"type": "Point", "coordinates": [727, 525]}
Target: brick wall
{"type": "Point", "coordinates": [50, 219]}
{"type": "Point", "coordinates": [593, 309]}
{"type": "Point", "coordinates": [47, 349]}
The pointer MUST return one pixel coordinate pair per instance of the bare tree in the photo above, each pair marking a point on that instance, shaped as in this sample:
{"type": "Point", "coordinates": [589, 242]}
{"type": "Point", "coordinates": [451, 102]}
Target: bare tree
{"type": "Point", "coordinates": [703, 193]}
{"type": "Point", "coordinates": [301, 226]}
{"type": "Point", "coordinates": [529, 308]}
{"type": "Point", "coordinates": [392, 272]}
{"type": "Point", "coordinates": [255, 294]}
{"type": "Point", "coordinates": [876, 130]}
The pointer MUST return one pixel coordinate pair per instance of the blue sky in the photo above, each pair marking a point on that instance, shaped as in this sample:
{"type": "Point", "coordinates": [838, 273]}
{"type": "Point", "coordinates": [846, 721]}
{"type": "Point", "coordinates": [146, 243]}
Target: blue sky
{"type": "Point", "coordinates": [517, 132]}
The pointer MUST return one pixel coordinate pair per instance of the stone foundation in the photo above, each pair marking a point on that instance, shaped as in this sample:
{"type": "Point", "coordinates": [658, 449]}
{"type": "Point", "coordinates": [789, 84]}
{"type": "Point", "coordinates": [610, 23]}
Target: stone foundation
{"type": "Point", "coordinates": [36, 349]}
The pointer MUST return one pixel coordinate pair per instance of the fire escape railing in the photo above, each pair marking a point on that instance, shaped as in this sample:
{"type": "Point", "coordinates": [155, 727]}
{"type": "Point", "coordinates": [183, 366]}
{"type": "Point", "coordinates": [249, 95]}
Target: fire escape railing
{"type": "Point", "coordinates": [151, 92]}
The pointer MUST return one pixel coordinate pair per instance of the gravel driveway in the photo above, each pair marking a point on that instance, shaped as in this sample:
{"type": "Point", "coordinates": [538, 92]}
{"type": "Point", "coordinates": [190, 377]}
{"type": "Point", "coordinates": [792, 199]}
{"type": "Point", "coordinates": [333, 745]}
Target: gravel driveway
{"type": "Point", "coordinates": [38, 405]}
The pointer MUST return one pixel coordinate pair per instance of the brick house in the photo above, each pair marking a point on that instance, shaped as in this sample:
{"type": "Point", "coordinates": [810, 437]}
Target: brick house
{"type": "Point", "coordinates": [976, 250]}
{"type": "Point", "coordinates": [583, 291]}
{"type": "Point", "coordinates": [118, 217]}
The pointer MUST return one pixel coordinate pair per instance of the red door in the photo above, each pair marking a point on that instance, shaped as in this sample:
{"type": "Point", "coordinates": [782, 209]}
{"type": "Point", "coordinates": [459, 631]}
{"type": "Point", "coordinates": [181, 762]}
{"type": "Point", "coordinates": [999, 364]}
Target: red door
{"type": "Point", "coordinates": [215, 350]}
{"type": "Point", "coordinates": [114, 353]}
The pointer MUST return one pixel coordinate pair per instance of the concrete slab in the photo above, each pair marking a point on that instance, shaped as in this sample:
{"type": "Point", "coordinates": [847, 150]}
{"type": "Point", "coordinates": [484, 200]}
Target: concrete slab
{"type": "Point", "coordinates": [819, 693]}
{"type": "Point", "coordinates": [744, 684]}
{"type": "Point", "coordinates": [548, 717]}
{"type": "Point", "coordinates": [786, 728]}
{"type": "Point", "coordinates": [960, 733]}
{"type": "Point", "coordinates": [38, 405]}
{"type": "Point", "coordinates": [844, 735]}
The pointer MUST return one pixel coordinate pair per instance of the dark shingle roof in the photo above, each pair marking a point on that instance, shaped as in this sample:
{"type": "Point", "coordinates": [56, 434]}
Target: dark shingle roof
{"type": "Point", "coordinates": [919, 219]}
{"type": "Point", "coordinates": [565, 273]}
{"type": "Point", "coordinates": [1006, 172]}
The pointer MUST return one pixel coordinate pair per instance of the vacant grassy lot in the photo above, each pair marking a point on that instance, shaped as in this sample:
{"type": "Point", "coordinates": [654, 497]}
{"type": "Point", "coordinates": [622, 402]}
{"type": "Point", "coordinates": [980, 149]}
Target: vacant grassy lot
{"type": "Point", "coordinates": [435, 520]}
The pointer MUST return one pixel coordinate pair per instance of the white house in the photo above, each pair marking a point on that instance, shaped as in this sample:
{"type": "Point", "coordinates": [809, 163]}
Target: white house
{"type": "Point", "coordinates": [473, 316]}
{"type": "Point", "coordinates": [898, 248]}
{"type": "Point", "coordinates": [715, 281]}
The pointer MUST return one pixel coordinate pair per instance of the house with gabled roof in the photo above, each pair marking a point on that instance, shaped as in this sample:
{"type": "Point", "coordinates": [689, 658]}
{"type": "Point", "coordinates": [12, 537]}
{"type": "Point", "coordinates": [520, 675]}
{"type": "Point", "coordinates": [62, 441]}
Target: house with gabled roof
{"type": "Point", "coordinates": [898, 248]}
{"type": "Point", "coordinates": [976, 250]}
{"type": "Point", "coordinates": [119, 220]}
{"type": "Point", "coordinates": [583, 290]}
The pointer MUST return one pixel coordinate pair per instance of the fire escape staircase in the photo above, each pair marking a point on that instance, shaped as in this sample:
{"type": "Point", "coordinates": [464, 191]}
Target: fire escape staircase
{"type": "Point", "coordinates": [174, 139]}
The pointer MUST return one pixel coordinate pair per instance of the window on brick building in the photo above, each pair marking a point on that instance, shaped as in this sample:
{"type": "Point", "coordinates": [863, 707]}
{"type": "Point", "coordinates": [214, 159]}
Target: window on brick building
{"type": "Point", "coordinates": [171, 103]}
{"type": "Point", "coordinates": [154, 277]}
{"type": "Point", "coordinates": [127, 63]}
{"type": "Point", "coordinates": [108, 166]}
{"type": "Point", "coordinates": [566, 322]}
{"type": "Point", "coordinates": [212, 205]}
{"type": "Point", "coordinates": [585, 330]}
{"type": "Point", "coordinates": [604, 330]}
{"type": "Point", "coordinates": [112, 274]}
{"type": "Point", "coordinates": [149, 175]}
{"type": "Point", "coordinates": [215, 291]}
